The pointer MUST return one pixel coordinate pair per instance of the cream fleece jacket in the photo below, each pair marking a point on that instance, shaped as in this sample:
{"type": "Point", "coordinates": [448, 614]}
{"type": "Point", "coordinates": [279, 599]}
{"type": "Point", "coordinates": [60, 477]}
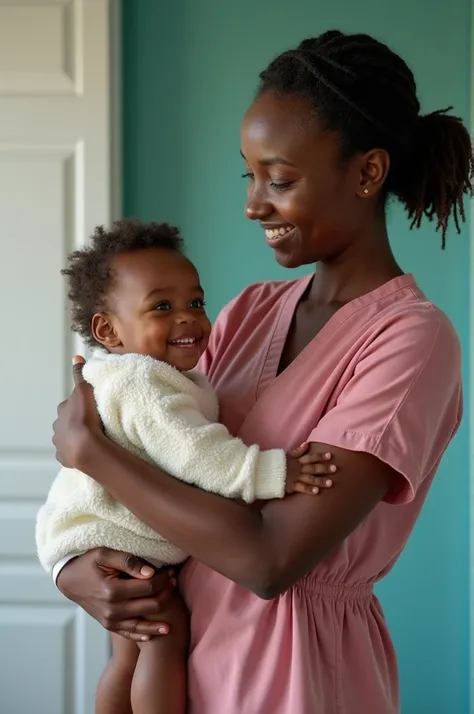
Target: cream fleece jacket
{"type": "Point", "coordinates": [169, 419]}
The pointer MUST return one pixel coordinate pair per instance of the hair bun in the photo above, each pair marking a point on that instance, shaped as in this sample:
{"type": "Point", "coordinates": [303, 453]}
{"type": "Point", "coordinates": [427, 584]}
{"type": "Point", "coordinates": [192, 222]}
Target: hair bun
{"type": "Point", "coordinates": [437, 121]}
{"type": "Point", "coordinates": [442, 133]}
{"type": "Point", "coordinates": [429, 134]}
{"type": "Point", "coordinates": [440, 170]}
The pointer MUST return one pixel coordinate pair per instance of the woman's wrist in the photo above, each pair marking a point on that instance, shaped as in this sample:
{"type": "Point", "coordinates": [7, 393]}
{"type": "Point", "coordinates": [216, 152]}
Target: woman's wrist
{"type": "Point", "coordinates": [90, 447]}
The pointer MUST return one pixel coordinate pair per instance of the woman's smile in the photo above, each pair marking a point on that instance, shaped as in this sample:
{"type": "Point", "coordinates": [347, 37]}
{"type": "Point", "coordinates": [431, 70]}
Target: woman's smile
{"type": "Point", "coordinates": [277, 236]}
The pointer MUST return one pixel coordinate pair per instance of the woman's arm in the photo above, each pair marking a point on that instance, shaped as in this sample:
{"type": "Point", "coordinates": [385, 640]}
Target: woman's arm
{"type": "Point", "coordinates": [388, 430]}
{"type": "Point", "coordinates": [265, 551]}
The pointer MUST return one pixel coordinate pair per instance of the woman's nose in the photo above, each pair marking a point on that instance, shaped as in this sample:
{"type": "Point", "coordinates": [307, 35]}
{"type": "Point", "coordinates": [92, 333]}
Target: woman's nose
{"type": "Point", "coordinates": [257, 207]}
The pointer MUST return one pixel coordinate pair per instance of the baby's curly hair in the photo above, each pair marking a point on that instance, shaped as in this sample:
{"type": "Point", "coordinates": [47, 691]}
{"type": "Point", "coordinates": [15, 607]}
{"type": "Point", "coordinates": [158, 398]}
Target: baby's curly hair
{"type": "Point", "coordinates": [89, 272]}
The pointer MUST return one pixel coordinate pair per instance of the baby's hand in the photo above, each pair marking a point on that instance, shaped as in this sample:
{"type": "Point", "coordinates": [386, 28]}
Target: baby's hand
{"type": "Point", "coordinates": [308, 473]}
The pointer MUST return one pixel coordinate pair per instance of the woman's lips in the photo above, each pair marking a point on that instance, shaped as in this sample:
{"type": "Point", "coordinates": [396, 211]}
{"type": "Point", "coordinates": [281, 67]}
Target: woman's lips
{"type": "Point", "coordinates": [275, 236]}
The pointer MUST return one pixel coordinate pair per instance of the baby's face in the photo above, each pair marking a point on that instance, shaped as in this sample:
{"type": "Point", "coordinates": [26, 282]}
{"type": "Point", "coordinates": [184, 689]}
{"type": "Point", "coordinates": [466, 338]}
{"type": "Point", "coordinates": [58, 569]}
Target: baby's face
{"type": "Point", "coordinates": [157, 307]}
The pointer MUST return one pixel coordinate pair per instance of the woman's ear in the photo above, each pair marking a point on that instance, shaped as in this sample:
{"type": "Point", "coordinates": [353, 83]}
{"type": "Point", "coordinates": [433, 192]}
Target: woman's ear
{"type": "Point", "coordinates": [104, 332]}
{"type": "Point", "coordinates": [374, 168]}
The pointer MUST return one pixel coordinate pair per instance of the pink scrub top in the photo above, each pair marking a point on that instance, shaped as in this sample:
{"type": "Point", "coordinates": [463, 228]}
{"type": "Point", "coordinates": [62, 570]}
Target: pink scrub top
{"type": "Point", "coordinates": [383, 376]}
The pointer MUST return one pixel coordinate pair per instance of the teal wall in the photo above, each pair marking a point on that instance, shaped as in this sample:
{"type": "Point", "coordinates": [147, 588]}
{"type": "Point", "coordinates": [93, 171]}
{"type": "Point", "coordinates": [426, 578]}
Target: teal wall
{"type": "Point", "coordinates": [190, 68]}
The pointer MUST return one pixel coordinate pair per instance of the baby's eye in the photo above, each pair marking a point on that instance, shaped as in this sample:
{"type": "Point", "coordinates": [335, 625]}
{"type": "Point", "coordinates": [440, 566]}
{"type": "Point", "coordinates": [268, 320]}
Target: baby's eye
{"type": "Point", "coordinates": [162, 306]}
{"type": "Point", "coordinates": [198, 303]}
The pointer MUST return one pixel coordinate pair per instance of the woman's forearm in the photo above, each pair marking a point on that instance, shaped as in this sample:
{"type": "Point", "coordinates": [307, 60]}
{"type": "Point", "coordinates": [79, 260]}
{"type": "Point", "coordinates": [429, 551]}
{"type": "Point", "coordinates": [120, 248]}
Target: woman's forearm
{"type": "Point", "coordinates": [229, 537]}
{"type": "Point", "coordinates": [265, 551]}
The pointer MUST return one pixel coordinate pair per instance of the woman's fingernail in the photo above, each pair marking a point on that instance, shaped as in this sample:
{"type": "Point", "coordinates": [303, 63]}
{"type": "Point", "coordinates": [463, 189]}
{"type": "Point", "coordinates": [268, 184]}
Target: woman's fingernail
{"type": "Point", "coordinates": [328, 482]}
{"type": "Point", "coordinates": [146, 571]}
{"type": "Point", "coordinates": [332, 468]}
{"type": "Point", "coordinates": [162, 630]}
{"type": "Point", "coordinates": [315, 489]}
{"type": "Point", "coordinates": [327, 456]}
{"type": "Point", "coordinates": [144, 638]}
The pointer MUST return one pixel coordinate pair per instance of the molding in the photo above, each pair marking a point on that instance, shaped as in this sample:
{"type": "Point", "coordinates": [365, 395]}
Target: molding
{"type": "Point", "coordinates": [115, 108]}
{"type": "Point", "coordinates": [115, 179]}
{"type": "Point", "coordinates": [470, 399]}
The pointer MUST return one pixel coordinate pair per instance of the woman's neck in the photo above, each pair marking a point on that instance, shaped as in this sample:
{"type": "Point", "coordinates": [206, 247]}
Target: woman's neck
{"type": "Point", "coordinates": [364, 266]}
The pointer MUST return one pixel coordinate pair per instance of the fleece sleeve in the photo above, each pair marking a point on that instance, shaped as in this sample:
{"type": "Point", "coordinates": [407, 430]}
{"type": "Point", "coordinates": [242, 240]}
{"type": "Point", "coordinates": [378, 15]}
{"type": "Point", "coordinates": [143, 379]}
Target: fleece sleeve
{"type": "Point", "coordinates": [176, 436]}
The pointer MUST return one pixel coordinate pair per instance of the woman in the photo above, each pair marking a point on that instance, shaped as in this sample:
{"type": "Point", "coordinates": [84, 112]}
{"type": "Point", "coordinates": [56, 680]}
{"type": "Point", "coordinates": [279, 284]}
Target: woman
{"type": "Point", "coordinates": [353, 359]}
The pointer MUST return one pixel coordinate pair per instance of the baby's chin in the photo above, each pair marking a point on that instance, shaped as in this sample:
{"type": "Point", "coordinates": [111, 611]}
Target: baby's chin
{"type": "Point", "coordinates": [183, 359]}
{"type": "Point", "coordinates": [183, 363]}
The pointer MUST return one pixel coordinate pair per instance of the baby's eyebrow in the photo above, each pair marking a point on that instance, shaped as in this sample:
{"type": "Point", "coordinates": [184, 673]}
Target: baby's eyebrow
{"type": "Point", "coordinates": [169, 289]}
{"type": "Point", "coordinates": [158, 291]}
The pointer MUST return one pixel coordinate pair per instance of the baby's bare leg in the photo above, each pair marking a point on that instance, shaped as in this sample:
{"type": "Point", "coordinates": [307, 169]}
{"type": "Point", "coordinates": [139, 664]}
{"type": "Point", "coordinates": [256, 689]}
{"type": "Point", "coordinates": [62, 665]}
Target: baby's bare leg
{"type": "Point", "coordinates": [115, 685]}
{"type": "Point", "coordinates": [159, 682]}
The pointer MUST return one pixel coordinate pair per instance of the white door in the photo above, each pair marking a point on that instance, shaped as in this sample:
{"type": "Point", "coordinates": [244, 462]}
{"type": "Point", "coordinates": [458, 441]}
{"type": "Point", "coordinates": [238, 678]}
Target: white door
{"type": "Point", "coordinates": [55, 185]}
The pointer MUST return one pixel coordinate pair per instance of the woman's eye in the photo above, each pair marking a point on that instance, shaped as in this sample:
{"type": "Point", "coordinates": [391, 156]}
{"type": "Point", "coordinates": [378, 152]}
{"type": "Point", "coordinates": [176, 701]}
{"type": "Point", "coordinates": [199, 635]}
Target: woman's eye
{"type": "Point", "coordinates": [281, 185]}
{"type": "Point", "coordinates": [198, 303]}
{"type": "Point", "coordinates": [277, 185]}
{"type": "Point", "coordinates": [162, 306]}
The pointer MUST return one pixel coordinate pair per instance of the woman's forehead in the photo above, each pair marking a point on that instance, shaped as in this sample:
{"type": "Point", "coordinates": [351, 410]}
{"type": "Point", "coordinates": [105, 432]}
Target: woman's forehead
{"type": "Point", "coordinates": [278, 125]}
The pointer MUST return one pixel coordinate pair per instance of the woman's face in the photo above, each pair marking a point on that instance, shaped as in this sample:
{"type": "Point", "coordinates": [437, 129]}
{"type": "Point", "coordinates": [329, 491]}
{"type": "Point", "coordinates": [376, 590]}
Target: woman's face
{"type": "Point", "coordinates": [306, 199]}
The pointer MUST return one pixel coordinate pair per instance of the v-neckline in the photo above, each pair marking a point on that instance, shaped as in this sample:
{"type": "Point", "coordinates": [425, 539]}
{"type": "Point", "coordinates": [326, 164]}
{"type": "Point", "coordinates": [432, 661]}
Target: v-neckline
{"type": "Point", "coordinates": [284, 319]}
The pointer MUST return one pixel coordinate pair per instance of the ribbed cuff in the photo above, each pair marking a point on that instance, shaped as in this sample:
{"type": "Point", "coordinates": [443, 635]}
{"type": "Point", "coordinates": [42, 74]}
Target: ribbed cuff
{"type": "Point", "coordinates": [270, 478]}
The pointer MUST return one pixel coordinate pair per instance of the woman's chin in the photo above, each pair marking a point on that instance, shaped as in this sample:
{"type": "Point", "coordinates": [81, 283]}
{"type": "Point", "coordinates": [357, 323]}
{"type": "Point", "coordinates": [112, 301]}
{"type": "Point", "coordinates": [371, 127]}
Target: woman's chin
{"type": "Point", "coordinates": [289, 260]}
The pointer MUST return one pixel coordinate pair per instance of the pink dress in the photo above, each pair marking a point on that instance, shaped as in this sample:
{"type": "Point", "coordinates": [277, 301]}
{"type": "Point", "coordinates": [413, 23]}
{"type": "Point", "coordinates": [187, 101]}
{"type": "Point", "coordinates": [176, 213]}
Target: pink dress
{"type": "Point", "coordinates": [383, 376]}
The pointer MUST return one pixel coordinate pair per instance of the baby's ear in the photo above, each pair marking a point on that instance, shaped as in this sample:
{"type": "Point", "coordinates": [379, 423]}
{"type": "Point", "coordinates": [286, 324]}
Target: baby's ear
{"type": "Point", "coordinates": [104, 332]}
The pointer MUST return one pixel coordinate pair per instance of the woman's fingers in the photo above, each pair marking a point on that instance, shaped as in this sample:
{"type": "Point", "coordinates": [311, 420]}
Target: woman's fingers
{"type": "Point", "coordinates": [127, 564]}
{"type": "Point", "coordinates": [142, 630]}
{"type": "Point", "coordinates": [78, 363]}
{"type": "Point", "coordinates": [126, 601]}
{"type": "Point", "coordinates": [175, 617]}
{"type": "Point", "coordinates": [116, 613]}
{"type": "Point", "coordinates": [77, 420]}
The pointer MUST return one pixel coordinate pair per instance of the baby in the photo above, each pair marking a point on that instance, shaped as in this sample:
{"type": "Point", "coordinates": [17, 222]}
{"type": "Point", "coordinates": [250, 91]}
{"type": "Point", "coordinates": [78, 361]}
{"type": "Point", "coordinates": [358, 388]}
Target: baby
{"type": "Point", "coordinates": [137, 300]}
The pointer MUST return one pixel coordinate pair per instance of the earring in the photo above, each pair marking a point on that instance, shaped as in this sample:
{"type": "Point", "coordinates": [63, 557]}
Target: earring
{"type": "Point", "coordinates": [366, 190]}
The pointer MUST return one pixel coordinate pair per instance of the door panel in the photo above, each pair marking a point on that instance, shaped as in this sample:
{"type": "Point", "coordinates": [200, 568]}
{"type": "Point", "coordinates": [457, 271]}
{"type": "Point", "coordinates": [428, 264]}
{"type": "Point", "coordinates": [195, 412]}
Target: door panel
{"type": "Point", "coordinates": [54, 187]}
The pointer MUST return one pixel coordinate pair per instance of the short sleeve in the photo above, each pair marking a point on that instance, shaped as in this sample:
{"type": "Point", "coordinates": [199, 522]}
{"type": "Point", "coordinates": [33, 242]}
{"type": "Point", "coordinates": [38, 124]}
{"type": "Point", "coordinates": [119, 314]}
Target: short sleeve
{"type": "Point", "coordinates": [403, 402]}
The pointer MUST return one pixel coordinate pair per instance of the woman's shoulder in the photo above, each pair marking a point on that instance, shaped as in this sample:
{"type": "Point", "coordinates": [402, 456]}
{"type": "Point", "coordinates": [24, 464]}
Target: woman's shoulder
{"type": "Point", "coordinates": [411, 313]}
{"type": "Point", "coordinates": [412, 351]}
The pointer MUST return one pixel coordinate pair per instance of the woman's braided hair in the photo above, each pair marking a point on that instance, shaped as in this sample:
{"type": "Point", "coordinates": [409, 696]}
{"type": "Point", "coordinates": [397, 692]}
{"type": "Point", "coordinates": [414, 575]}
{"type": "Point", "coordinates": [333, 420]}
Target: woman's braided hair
{"type": "Point", "coordinates": [367, 94]}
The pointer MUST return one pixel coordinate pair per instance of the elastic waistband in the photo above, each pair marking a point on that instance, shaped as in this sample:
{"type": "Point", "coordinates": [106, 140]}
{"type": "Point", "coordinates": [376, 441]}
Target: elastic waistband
{"type": "Point", "coordinates": [336, 591]}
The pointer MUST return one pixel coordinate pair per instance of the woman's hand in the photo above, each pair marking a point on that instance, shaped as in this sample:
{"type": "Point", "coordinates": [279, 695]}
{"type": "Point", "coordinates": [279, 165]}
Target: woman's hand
{"type": "Point", "coordinates": [78, 421]}
{"type": "Point", "coordinates": [117, 589]}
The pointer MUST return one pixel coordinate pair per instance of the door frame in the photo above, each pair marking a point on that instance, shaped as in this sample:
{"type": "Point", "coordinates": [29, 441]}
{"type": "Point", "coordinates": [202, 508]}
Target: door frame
{"type": "Point", "coordinates": [116, 135]}
{"type": "Point", "coordinates": [470, 372]}
{"type": "Point", "coordinates": [115, 74]}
